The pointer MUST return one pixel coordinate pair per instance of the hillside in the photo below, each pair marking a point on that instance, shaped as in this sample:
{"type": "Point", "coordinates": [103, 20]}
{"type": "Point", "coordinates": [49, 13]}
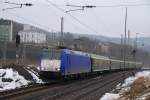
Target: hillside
{"type": "Point", "coordinates": [143, 42]}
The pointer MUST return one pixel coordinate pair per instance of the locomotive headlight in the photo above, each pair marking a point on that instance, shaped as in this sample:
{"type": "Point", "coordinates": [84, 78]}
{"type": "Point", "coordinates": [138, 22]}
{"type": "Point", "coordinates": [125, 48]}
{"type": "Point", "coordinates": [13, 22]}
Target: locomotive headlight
{"type": "Point", "coordinates": [42, 68]}
{"type": "Point", "coordinates": [57, 69]}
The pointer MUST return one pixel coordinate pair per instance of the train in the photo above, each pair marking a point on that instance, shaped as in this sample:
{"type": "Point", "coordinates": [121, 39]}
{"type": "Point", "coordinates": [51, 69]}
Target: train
{"type": "Point", "coordinates": [66, 63]}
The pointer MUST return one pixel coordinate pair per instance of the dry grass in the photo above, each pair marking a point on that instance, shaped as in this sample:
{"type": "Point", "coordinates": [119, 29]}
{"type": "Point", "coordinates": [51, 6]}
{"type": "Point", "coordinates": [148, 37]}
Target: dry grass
{"type": "Point", "coordinates": [139, 87]}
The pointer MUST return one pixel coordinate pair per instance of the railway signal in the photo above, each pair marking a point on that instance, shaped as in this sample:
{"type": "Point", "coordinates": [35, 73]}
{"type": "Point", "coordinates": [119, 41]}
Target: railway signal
{"type": "Point", "coordinates": [17, 46]}
{"type": "Point", "coordinates": [17, 40]}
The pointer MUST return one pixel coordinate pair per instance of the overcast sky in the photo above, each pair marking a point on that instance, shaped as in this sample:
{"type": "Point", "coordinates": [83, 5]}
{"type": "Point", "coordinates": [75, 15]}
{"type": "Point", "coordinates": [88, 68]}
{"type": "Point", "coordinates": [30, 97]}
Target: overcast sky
{"type": "Point", "coordinates": [107, 21]}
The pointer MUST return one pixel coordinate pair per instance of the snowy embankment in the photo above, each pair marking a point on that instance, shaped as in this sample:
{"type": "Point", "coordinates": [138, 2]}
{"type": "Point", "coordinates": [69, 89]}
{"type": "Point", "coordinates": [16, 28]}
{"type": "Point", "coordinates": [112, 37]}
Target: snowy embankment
{"type": "Point", "coordinates": [16, 77]}
{"type": "Point", "coordinates": [133, 88]}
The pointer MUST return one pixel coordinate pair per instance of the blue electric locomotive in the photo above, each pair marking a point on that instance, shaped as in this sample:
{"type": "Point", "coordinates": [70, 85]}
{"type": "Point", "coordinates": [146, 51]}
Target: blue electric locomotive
{"type": "Point", "coordinates": [64, 62]}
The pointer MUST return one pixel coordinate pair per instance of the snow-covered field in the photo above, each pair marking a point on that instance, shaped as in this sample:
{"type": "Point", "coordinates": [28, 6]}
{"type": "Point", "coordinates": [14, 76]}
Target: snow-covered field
{"type": "Point", "coordinates": [130, 86]}
{"type": "Point", "coordinates": [11, 79]}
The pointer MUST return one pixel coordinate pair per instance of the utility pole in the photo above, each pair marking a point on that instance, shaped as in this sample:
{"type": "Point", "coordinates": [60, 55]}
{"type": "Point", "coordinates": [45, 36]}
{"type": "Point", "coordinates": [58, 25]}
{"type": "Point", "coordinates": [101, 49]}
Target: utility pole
{"type": "Point", "coordinates": [136, 39]}
{"type": "Point", "coordinates": [128, 37]}
{"type": "Point", "coordinates": [122, 46]}
{"type": "Point", "coordinates": [62, 28]}
{"type": "Point", "coordinates": [121, 50]}
{"type": "Point", "coordinates": [125, 35]}
{"type": "Point", "coordinates": [136, 43]}
{"type": "Point", "coordinates": [128, 46]}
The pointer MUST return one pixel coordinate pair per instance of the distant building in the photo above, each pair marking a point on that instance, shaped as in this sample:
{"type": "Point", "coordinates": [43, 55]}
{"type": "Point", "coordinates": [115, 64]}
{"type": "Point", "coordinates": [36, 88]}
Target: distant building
{"type": "Point", "coordinates": [9, 29]}
{"type": "Point", "coordinates": [105, 49]}
{"type": "Point", "coordinates": [32, 34]}
{"type": "Point", "coordinates": [28, 34]}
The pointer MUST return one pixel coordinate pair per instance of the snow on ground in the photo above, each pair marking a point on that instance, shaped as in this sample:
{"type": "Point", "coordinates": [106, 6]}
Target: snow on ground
{"type": "Point", "coordinates": [11, 79]}
{"type": "Point", "coordinates": [126, 86]}
{"type": "Point", "coordinates": [110, 96]}
{"type": "Point", "coordinates": [35, 75]}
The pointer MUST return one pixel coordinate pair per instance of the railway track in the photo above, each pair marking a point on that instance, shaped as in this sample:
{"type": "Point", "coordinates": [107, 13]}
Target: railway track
{"type": "Point", "coordinates": [95, 92]}
{"type": "Point", "coordinates": [76, 90]}
{"type": "Point", "coordinates": [80, 92]}
{"type": "Point", "coordinates": [24, 90]}
{"type": "Point", "coordinates": [12, 93]}
{"type": "Point", "coordinates": [32, 88]}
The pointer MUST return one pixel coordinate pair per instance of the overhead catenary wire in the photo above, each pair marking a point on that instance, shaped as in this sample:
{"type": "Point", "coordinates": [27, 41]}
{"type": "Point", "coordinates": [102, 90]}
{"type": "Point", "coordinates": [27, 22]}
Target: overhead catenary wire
{"type": "Point", "coordinates": [79, 7]}
{"type": "Point", "coordinates": [57, 15]}
{"type": "Point", "coordinates": [76, 19]}
{"type": "Point", "coordinates": [85, 25]}
{"type": "Point", "coordinates": [100, 6]}
{"type": "Point", "coordinates": [103, 6]}
{"type": "Point", "coordinates": [129, 5]}
{"type": "Point", "coordinates": [82, 7]}
{"type": "Point", "coordinates": [33, 22]}
{"type": "Point", "coordinates": [17, 5]}
{"type": "Point", "coordinates": [95, 6]}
